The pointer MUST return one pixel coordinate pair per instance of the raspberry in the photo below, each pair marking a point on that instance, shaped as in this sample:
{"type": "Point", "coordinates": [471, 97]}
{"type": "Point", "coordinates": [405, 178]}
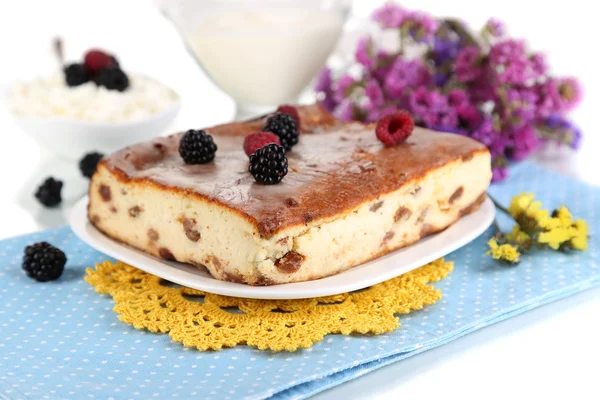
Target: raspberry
{"type": "Point", "coordinates": [112, 78]}
{"type": "Point", "coordinates": [49, 192]}
{"type": "Point", "coordinates": [96, 60]}
{"type": "Point", "coordinates": [268, 165]}
{"type": "Point", "coordinates": [256, 140]}
{"type": "Point", "coordinates": [43, 262]}
{"type": "Point", "coordinates": [284, 126]}
{"type": "Point", "coordinates": [76, 74]}
{"type": "Point", "coordinates": [87, 165]}
{"type": "Point", "coordinates": [395, 128]}
{"type": "Point", "coordinates": [290, 110]}
{"type": "Point", "coordinates": [197, 147]}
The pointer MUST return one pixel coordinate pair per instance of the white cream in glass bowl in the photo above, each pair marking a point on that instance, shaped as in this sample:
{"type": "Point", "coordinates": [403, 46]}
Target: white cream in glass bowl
{"type": "Point", "coordinates": [71, 121]}
{"type": "Point", "coordinates": [263, 53]}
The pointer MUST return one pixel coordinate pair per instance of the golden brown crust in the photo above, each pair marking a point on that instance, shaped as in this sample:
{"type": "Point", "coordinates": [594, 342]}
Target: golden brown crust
{"type": "Point", "coordinates": [335, 168]}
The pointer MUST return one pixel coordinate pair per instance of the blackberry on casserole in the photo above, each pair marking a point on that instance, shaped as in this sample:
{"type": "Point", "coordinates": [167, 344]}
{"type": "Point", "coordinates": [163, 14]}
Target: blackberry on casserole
{"type": "Point", "coordinates": [284, 126]}
{"type": "Point", "coordinates": [197, 147]}
{"type": "Point", "coordinates": [268, 165]}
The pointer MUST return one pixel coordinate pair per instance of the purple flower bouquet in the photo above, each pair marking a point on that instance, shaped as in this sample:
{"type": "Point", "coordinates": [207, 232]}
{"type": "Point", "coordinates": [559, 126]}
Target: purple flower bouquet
{"type": "Point", "coordinates": [486, 86]}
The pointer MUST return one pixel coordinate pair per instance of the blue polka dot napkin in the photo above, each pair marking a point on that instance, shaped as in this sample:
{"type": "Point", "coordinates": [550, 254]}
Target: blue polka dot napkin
{"type": "Point", "coordinates": [61, 340]}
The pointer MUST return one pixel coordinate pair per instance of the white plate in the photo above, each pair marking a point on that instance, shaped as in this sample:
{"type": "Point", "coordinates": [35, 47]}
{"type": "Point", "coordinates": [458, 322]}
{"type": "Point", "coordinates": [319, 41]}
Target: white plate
{"type": "Point", "coordinates": [389, 266]}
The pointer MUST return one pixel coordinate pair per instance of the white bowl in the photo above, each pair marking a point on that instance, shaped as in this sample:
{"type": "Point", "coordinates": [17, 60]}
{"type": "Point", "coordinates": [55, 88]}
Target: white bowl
{"type": "Point", "coordinates": [73, 138]}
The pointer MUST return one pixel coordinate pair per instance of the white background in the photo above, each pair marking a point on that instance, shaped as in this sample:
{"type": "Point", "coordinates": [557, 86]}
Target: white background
{"type": "Point", "coordinates": [551, 352]}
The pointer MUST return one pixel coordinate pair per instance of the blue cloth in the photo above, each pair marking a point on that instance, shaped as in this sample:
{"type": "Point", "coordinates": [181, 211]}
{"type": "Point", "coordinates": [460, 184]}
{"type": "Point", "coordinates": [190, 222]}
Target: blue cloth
{"type": "Point", "coordinates": [61, 340]}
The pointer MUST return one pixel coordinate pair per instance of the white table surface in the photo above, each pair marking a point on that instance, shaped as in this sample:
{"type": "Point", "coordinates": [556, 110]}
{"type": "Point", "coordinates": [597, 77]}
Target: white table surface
{"type": "Point", "coordinates": [550, 352]}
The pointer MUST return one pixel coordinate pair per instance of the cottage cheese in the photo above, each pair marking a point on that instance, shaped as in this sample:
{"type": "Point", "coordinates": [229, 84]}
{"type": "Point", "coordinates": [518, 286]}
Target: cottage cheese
{"type": "Point", "coordinates": [51, 98]}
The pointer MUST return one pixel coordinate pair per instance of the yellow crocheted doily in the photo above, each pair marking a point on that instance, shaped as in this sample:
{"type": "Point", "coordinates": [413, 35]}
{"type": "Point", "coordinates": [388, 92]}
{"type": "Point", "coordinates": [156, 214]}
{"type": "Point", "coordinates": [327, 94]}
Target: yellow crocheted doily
{"type": "Point", "coordinates": [209, 321]}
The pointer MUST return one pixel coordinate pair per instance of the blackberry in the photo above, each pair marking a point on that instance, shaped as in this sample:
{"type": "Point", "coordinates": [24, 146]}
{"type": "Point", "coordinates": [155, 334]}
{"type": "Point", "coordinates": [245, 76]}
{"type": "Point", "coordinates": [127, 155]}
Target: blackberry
{"type": "Point", "coordinates": [87, 165]}
{"type": "Point", "coordinates": [76, 74]}
{"type": "Point", "coordinates": [112, 78]}
{"type": "Point", "coordinates": [284, 126]}
{"type": "Point", "coordinates": [268, 164]}
{"type": "Point", "coordinates": [291, 110]}
{"type": "Point", "coordinates": [48, 193]}
{"type": "Point", "coordinates": [44, 262]}
{"type": "Point", "coordinates": [197, 147]}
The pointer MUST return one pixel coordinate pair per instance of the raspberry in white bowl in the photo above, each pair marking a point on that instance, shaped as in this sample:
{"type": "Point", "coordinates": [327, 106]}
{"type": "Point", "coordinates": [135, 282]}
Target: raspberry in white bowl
{"type": "Point", "coordinates": [92, 107]}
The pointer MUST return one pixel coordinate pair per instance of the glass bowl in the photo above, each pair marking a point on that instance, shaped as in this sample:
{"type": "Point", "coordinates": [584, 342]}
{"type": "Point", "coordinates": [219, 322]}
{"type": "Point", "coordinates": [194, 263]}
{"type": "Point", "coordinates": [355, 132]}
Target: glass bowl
{"type": "Point", "coordinates": [263, 53]}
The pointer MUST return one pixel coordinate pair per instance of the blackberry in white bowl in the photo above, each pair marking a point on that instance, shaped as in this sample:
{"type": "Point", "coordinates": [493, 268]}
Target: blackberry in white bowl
{"type": "Point", "coordinates": [92, 105]}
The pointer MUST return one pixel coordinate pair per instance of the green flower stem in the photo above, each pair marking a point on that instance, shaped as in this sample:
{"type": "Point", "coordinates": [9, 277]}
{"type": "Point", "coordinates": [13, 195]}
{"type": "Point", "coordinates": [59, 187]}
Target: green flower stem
{"type": "Point", "coordinates": [497, 226]}
{"type": "Point", "coordinates": [499, 206]}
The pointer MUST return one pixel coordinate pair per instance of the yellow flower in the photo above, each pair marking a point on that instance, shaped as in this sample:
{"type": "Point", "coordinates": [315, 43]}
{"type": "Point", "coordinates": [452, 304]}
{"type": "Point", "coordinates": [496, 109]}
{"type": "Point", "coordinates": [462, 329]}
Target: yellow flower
{"type": "Point", "coordinates": [520, 203]}
{"type": "Point", "coordinates": [564, 216]}
{"type": "Point", "coordinates": [504, 252]}
{"type": "Point", "coordinates": [534, 224]}
{"type": "Point", "coordinates": [560, 218]}
{"type": "Point", "coordinates": [557, 236]}
{"type": "Point", "coordinates": [540, 216]}
{"type": "Point", "coordinates": [563, 230]}
{"type": "Point", "coordinates": [519, 237]}
{"type": "Point", "coordinates": [528, 213]}
{"type": "Point", "coordinates": [552, 223]}
{"type": "Point", "coordinates": [579, 240]}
